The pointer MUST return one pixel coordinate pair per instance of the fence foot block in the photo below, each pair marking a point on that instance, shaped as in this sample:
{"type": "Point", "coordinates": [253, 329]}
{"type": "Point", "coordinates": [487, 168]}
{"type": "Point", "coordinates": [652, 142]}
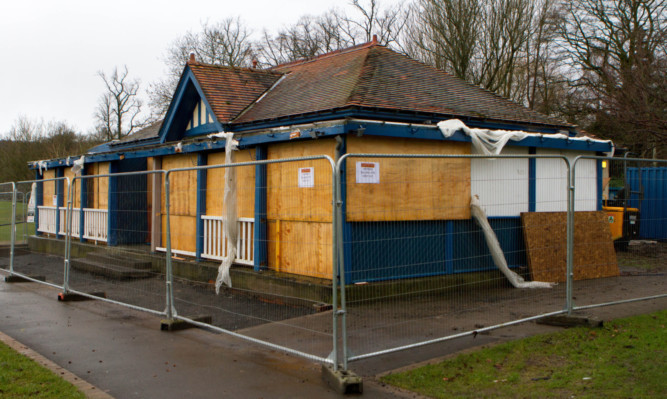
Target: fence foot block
{"type": "Point", "coordinates": [19, 279]}
{"type": "Point", "coordinates": [571, 321]}
{"type": "Point", "coordinates": [177, 324]}
{"type": "Point", "coordinates": [342, 381]}
{"type": "Point", "coordinates": [70, 297]}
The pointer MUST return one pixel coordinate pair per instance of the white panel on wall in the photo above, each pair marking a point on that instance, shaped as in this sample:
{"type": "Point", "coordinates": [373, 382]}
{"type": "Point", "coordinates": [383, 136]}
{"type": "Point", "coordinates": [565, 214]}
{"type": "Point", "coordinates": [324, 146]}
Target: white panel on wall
{"type": "Point", "coordinates": [551, 189]}
{"type": "Point", "coordinates": [501, 184]}
{"type": "Point", "coordinates": [200, 116]}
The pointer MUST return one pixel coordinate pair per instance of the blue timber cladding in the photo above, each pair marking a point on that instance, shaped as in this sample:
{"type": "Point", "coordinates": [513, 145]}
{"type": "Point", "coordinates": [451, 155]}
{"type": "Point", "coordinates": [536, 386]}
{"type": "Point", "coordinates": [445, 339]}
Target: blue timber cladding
{"type": "Point", "coordinates": [60, 188]}
{"type": "Point", "coordinates": [388, 250]}
{"type": "Point", "coordinates": [653, 206]}
{"type": "Point", "coordinates": [532, 180]}
{"type": "Point", "coordinates": [260, 248]}
{"type": "Point", "coordinates": [83, 200]}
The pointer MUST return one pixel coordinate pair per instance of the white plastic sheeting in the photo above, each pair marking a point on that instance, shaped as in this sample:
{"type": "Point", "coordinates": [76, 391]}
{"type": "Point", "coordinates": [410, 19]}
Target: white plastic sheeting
{"type": "Point", "coordinates": [497, 252]}
{"type": "Point", "coordinates": [41, 165]}
{"type": "Point", "coordinates": [78, 165]}
{"type": "Point", "coordinates": [486, 141]}
{"type": "Point", "coordinates": [491, 142]}
{"type": "Point", "coordinates": [229, 223]}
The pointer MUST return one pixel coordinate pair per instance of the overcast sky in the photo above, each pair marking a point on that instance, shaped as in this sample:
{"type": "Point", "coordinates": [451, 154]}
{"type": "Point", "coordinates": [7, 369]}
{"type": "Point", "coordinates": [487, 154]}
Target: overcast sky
{"type": "Point", "coordinates": [51, 50]}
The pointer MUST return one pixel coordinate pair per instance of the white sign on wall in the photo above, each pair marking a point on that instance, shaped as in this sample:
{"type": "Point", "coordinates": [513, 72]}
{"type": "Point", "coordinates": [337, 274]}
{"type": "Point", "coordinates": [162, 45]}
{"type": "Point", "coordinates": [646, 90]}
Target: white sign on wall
{"type": "Point", "coordinates": [368, 172]}
{"type": "Point", "coordinates": [55, 200]}
{"type": "Point", "coordinates": [306, 177]}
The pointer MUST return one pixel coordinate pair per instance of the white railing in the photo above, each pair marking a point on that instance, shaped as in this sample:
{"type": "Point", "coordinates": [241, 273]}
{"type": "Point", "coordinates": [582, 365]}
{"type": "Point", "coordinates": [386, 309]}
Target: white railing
{"type": "Point", "coordinates": [47, 219]}
{"type": "Point", "coordinates": [215, 240]}
{"type": "Point", "coordinates": [75, 221]}
{"type": "Point", "coordinates": [95, 224]}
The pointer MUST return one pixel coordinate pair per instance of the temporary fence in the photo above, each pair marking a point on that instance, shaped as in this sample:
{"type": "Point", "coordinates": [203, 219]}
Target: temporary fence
{"type": "Point", "coordinates": [275, 215]}
{"type": "Point", "coordinates": [33, 215]}
{"type": "Point", "coordinates": [109, 217]}
{"type": "Point", "coordinates": [633, 201]}
{"type": "Point", "coordinates": [342, 261]}
{"type": "Point", "coordinates": [420, 267]}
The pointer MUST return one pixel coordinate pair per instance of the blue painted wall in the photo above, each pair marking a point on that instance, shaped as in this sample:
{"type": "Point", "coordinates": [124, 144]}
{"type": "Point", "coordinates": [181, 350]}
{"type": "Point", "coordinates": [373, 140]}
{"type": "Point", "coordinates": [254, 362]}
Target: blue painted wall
{"type": "Point", "coordinates": [128, 203]}
{"type": "Point", "coordinates": [653, 206]}
{"type": "Point", "coordinates": [389, 250]}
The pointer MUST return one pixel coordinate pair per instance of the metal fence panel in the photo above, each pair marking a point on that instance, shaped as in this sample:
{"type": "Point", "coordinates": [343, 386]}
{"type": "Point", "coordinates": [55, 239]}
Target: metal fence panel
{"type": "Point", "coordinates": [622, 264]}
{"type": "Point", "coordinates": [110, 238]}
{"type": "Point", "coordinates": [282, 243]}
{"type": "Point", "coordinates": [35, 257]}
{"type": "Point", "coordinates": [418, 267]}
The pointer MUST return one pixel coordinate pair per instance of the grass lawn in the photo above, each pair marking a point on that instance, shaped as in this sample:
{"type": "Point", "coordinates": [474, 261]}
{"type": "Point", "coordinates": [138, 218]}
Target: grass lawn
{"type": "Point", "coordinates": [6, 220]}
{"type": "Point", "coordinates": [21, 377]}
{"type": "Point", "coordinates": [624, 359]}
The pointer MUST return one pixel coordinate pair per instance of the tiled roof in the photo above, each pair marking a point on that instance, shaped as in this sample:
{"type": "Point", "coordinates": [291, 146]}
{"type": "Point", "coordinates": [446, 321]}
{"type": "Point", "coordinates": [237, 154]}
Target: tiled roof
{"type": "Point", "coordinates": [373, 76]}
{"type": "Point", "coordinates": [230, 90]}
{"type": "Point", "coordinates": [149, 132]}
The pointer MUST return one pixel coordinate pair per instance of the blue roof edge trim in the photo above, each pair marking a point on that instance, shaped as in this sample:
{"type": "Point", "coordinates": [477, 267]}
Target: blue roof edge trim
{"type": "Point", "coordinates": [371, 128]}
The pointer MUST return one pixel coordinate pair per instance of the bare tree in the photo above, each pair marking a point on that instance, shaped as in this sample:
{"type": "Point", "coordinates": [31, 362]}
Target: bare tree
{"type": "Point", "coordinates": [32, 140]}
{"type": "Point", "coordinates": [483, 42]}
{"type": "Point", "coordinates": [119, 108]}
{"type": "Point", "coordinates": [617, 50]}
{"type": "Point", "coordinates": [335, 30]}
{"type": "Point", "coordinates": [226, 42]}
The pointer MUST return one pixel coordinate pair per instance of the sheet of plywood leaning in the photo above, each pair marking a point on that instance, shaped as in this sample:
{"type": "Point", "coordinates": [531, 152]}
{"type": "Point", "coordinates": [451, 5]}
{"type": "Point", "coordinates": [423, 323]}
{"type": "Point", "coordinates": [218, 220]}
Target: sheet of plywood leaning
{"type": "Point", "coordinates": [299, 196]}
{"type": "Point", "coordinates": [408, 188]}
{"type": "Point", "coordinates": [182, 202]}
{"type": "Point", "coordinates": [545, 235]}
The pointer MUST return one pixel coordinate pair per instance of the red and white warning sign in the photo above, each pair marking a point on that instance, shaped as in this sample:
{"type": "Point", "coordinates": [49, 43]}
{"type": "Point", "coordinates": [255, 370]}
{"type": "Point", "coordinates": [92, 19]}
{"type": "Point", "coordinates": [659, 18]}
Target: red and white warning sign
{"type": "Point", "coordinates": [368, 172]}
{"type": "Point", "coordinates": [306, 177]}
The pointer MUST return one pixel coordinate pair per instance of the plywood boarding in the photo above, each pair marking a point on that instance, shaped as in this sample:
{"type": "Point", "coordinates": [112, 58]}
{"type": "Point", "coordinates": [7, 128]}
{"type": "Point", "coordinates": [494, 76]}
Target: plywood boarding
{"type": "Point", "coordinates": [183, 185]}
{"type": "Point", "coordinates": [182, 201]}
{"type": "Point", "coordinates": [409, 189]}
{"type": "Point", "coordinates": [183, 232]}
{"type": "Point", "coordinates": [285, 199]}
{"type": "Point", "coordinates": [245, 184]}
{"type": "Point", "coordinates": [300, 248]}
{"type": "Point", "coordinates": [545, 236]}
{"type": "Point", "coordinates": [48, 188]}
{"type": "Point", "coordinates": [98, 187]}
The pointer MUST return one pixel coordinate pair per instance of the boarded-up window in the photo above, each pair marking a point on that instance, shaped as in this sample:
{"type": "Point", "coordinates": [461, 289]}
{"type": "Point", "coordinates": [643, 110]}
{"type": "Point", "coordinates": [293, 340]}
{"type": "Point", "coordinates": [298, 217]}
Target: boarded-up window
{"type": "Point", "coordinates": [408, 188]}
{"type": "Point", "coordinates": [245, 184]}
{"type": "Point", "coordinates": [299, 215]}
{"type": "Point", "coordinates": [182, 202]}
